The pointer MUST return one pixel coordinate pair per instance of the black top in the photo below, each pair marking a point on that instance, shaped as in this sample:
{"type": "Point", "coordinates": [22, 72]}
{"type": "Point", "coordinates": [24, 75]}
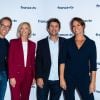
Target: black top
{"type": "Point", "coordinates": [43, 59]}
{"type": "Point", "coordinates": [3, 54]}
{"type": "Point", "coordinates": [79, 62]}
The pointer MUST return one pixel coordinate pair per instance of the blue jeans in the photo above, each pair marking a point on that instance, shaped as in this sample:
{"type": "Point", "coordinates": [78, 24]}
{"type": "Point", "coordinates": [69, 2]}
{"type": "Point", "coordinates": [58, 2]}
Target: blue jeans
{"type": "Point", "coordinates": [3, 84]}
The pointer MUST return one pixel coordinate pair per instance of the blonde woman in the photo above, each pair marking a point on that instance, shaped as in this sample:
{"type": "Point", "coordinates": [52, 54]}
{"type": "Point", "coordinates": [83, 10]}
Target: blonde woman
{"type": "Point", "coordinates": [21, 63]}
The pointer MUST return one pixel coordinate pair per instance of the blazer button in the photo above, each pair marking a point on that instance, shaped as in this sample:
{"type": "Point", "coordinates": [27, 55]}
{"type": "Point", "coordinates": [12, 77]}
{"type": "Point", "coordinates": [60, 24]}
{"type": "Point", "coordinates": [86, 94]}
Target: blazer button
{"type": "Point", "coordinates": [18, 72]}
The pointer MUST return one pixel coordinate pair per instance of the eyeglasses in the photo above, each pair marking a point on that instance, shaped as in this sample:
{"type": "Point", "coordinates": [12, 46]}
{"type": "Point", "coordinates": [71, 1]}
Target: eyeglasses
{"type": "Point", "coordinates": [4, 26]}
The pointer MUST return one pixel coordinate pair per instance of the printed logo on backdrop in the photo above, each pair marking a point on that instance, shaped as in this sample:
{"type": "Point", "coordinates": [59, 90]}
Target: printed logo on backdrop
{"type": "Point", "coordinates": [28, 7]}
{"type": "Point", "coordinates": [68, 35]}
{"type": "Point", "coordinates": [14, 20]}
{"type": "Point", "coordinates": [97, 91]}
{"type": "Point", "coordinates": [98, 64]}
{"type": "Point", "coordinates": [97, 34]}
{"type": "Point", "coordinates": [33, 34]}
{"type": "Point", "coordinates": [65, 7]}
{"type": "Point", "coordinates": [42, 21]}
{"type": "Point", "coordinates": [88, 20]}
{"type": "Point", "coordinates": [98, 5]}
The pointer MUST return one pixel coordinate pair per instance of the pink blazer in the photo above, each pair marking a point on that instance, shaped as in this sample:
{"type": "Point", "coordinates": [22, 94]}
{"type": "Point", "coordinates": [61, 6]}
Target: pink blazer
{"type": "Point", "coordinates": [16, 58]}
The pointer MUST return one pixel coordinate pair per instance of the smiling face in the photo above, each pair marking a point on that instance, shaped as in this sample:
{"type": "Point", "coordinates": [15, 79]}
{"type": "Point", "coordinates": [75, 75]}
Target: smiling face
{"type": "Point", "coordinates": [24, 30]}
{"type": "Point", "coordinates": [5, 26]}
{"type": "Point", "coordinates": [77, 28]}
{"type": "Point", "coordinates": [53, 28]}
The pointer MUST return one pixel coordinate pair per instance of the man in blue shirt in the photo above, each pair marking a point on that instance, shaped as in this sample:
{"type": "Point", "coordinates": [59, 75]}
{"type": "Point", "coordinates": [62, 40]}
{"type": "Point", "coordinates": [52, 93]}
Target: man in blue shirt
{"type": "Point", "coordinates": [47, 62]}
{"type": "Point", "coordinates": [5, 26]}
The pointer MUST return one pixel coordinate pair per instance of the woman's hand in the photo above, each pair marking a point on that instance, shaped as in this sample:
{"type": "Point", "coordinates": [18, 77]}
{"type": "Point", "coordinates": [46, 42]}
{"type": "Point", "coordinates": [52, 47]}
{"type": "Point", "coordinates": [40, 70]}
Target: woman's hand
{"type": "Point", "coordinates": [92, 87]}
{"type": "Point", "coordinates": [63, 84]}
{"type": "Point", "coordinates": [13, 82]}
{"type": "Point", "coordinates": [34, 81]}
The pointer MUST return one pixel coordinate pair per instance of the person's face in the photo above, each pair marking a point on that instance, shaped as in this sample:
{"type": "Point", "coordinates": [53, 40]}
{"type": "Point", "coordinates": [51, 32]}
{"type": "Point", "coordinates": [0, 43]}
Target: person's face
{"type": "Point", "coordinates": [77, 28]}
{"type": "Point", "coordinates": [5, 27]}
{"type": "Point", "coordinates": [53, 28]}
{"type": "Point", "coordinates": [24, 31]}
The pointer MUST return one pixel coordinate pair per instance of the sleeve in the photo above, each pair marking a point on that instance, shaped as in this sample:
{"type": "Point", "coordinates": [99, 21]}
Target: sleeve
{"type": "Point", "coordinates": [93, 57]}
{"type": "Point", "coordinates": [39, 61]}
{"type": "Point", "coordinates": [11, 70]}
{"type": "Point", "coordinates": [34, 65]}
{"type": "Point", "coordinates": [63, 53]}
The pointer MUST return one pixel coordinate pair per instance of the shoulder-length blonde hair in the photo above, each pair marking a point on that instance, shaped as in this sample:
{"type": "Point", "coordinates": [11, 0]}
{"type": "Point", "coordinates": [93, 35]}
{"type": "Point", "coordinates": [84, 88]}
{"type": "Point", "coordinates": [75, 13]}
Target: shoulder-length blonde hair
{"type": "Point", "coordinates": [20, 26]}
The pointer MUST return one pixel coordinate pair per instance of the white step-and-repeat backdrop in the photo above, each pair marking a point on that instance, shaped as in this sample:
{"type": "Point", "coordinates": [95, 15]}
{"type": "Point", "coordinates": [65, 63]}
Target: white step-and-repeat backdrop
{"type": "Point", "coordinates": [37, 12]}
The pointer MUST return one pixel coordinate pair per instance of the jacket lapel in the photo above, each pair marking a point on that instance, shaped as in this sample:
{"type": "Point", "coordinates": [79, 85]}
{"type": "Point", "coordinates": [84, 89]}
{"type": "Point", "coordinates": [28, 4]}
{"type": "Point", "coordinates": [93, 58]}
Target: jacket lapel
{"type": "Point", "coordinates": [28, 53]}
{"type": "Point", "coordinates": [21, 53]}
{"type": "Point", "coordinates": [47, 50]}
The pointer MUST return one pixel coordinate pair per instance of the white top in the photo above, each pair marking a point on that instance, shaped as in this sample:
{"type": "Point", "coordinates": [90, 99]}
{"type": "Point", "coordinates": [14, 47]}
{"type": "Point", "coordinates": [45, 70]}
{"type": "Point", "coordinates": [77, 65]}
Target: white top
{"type": "Point", "coordinates": [25, 48]}
{"type": "Point", "coordinates": [54, 50]}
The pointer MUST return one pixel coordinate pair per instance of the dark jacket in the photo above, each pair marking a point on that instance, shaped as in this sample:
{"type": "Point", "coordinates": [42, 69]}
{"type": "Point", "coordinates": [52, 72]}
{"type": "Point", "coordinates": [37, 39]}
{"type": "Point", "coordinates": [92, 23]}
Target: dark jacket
{"type": "Point", "coordinates": [43, 59]}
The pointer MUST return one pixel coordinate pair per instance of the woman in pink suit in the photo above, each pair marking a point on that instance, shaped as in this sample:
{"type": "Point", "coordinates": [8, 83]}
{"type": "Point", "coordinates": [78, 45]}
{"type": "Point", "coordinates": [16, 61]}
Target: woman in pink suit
{"type": "Point", "coordinates": [21, 63]}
